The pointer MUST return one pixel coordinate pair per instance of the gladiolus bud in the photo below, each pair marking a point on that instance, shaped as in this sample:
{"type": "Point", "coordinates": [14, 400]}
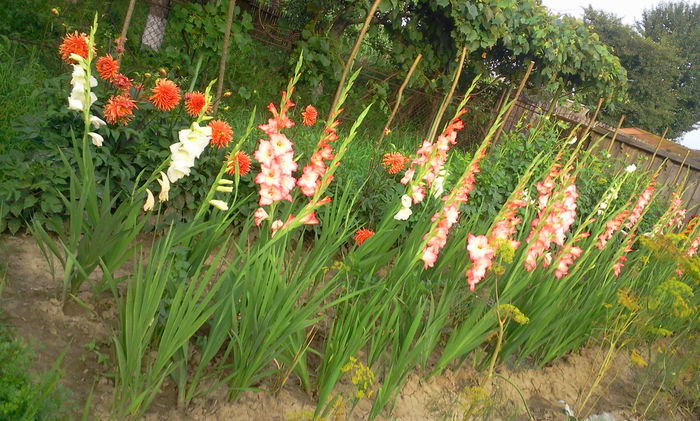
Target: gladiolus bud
{"type": "Point", "coordinates": [224, 189]}
{"type": "Point", "coordinates": [150, 201]}
{"type": "Point", "coordinates": [219, 204]}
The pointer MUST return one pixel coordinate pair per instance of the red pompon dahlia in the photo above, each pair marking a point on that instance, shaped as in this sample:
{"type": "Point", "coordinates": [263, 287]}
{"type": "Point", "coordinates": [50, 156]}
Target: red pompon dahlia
{"type": "Point", "coordinates": [394, 162]}
{"type": "Point", "coordinates": [194, 102]}
{"type": "Point", "coordinates": [119, 109]}
{"type": "Point", "coordinates": [166, 95]}
{"type": "Point", "coordinates": [309, 116]}
{"type": "Point", "coordinates": [362, 234]}
{"type": "Point", "coordinates": [121, 82]}
{"type": "Point", "coordinates": [107, 67]}
{"type": "Point", "coordinates": [75, 43]}
{"type": "Point", "coordinates": [239, 164]}
{"type": "Point", "coordinates": [221, 133]}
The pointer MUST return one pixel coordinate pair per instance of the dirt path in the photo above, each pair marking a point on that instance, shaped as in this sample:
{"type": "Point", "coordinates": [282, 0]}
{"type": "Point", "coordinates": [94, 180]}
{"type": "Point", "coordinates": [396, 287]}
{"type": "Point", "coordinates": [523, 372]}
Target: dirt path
{"type": "Point", "coordinates": [31, 307]}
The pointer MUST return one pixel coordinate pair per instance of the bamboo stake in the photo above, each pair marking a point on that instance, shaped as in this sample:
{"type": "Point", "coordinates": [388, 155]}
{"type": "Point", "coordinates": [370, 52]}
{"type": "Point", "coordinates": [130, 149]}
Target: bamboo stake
{"type": "Point", "coordinates": [515, 100]}
{"type": "Point", "coordinates": [125, 28]}
{"type": "Point", "coordinates": [658, 145]}
{"type": "Point", "coordinates": [678, 174]}
{"type": "Point", "coordinates": [448, 98]}
{"type": "Point", "coordinates": [617, 129]}
{"type": "Point", "coordinates": [353, 53]}
{"type": "Point", "coordinates": [399, 95]}
{"type": "Point", "coordinates": [592, 120]}
{"type": "Point", "coordinates": [224, 54]}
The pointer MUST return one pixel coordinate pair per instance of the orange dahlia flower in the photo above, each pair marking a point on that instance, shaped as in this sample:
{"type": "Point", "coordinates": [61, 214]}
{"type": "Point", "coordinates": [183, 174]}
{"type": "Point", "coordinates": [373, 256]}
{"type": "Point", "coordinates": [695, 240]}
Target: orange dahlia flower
{"type": "Point", "coordinates": [240, 163]}
{"type": "Point", "coordinates": [121, 82]}
{"type": "Point", "coordinates": [107, 67]}
{"type": "Point", "coordinates": [75, 43]}
{"type": "Point", "coordinates": [309, 115]}
{"type": "Point", "coordinates": [194, 102]}
{"type": "Point", "coordinates": [394, 162]}
{"type": "Point", "coordinates": [221, 133]}
{"type": "Point", "coordinates": [166, 95]}
{"type": "Point", "coordinates": [362, 234]}
{"type": "Point", "coordinates": [119, 109]}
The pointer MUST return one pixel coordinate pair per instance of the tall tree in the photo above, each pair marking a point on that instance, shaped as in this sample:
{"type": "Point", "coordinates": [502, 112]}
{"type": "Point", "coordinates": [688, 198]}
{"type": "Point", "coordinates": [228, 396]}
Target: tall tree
{"type": "Point", "coordinates": [652, 70]}
{"type": "Point", "coordinates": [678, 24]}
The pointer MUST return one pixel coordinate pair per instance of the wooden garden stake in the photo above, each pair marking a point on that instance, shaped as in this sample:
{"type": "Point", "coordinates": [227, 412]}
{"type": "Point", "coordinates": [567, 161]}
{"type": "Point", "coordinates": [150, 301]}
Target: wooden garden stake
{"type": "Point", "coordinates": [399, 95]}
{"type": "Point", "coordinates": [224, 54]}
{"type": "Point", "coordinates": [658, 145]}
{"type": "Point", "coordinates": [617, 129]}
{"type": "Point", "coordinates": [592, 121]}
{"type": "Point", "coordinates": [678, 174]}
{"type": "Point", "coordinates": [125, 28]}
{"type": "Point", "coordinates": [515, 100]}
{"type": "Point", "coordinates": [448, 98]}
{"type": "Point", "coordinates": [353, 53]}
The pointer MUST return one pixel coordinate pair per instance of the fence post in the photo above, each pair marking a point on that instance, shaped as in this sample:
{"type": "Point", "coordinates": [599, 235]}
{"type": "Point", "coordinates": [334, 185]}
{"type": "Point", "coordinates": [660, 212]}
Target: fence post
{"type": "Point", "coordinates": [125, 29]}
{"type": "Point", "coordinates": [224, 54]}
{"type": "Point", "coordinates": [617, 129]}
{"type": "Point", "coordinates": [658, 145]}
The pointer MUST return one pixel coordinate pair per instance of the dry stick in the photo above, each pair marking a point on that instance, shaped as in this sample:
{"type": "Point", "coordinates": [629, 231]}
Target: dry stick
{"type": "Point", "coordinates": [592, 120]}
{"type": "Point", "coordinates": [614, 136]}
{"type": "Point", "coordinates": [224, 54]}
{"type": "Point", "coordinates": [515, 100]}
{"type": "Point", "coordinates": [125, 28]}
{"type": "Point", "coordinates": [399, 95]}
{"type": "Point", "coordinates": [658, 145]}
{"type": "Point", "coordinates": [680, 169]}
{"type": "Point", "coordinates": [353, 53]}
{"type": "Point", "coordinates": [448, 98]}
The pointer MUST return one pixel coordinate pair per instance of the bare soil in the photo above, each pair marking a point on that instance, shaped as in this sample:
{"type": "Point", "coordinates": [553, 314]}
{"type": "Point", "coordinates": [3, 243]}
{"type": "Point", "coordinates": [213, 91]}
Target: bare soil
{"type": "Point", "coordinates": [31, 306]}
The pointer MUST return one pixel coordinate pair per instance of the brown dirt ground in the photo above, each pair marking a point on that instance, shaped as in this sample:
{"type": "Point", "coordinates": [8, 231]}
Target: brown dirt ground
{"type": "Point", "coordinates": [30, 305]}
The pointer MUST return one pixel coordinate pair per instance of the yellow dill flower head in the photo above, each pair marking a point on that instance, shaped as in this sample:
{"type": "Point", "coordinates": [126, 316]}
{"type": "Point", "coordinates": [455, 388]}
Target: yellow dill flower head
{"type": "Point", "coordinates": [505, 250]}
{"type": "Point", "coordinates": [638, 359]}
{"type": "Point", "coordinates": [509, 310]}
{"type": "Point", "coordinates": [660, 331]}
{"type": "Point", "coordinates": [627, 300]}
{"type": "Point", "coordinates": [362, 377]}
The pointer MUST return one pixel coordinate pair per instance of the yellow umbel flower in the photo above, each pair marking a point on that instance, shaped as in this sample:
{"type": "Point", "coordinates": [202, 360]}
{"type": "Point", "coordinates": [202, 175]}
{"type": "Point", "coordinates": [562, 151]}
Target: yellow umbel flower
{"type": "Point", "coordinates": [362, 377]}
{"type": "Point", "coordinates": [627, 300]}
{"type": "Point", "coordinates": [638, 359]}
{"type": "Point", "coordinates": [509, 310]}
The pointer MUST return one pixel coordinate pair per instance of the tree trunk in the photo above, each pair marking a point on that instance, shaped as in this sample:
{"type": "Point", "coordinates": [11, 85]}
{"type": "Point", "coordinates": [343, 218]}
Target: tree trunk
{"type": "Point", "coordinates": [155, 24]}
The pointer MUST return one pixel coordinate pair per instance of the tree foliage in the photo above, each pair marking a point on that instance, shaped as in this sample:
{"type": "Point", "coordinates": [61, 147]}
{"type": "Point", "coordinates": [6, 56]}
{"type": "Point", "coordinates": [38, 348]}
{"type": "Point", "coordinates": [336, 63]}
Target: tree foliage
{"type": "Point", "coordinates": [502, 36]}
{"type": "Point", "coordinates": [678, 25]}
{"type": "Point", "coordinates": [652, 69]}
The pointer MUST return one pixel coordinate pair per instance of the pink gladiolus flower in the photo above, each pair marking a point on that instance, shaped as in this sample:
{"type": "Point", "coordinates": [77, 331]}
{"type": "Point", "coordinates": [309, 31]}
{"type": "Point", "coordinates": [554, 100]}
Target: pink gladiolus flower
{"type": "Point", "coordinates": [566, 260]}
{"type": "Point", "coordinates": [642, 202]}
{"type": "Point", "coordinates": [610, 227]}
{"type": "Point", "coordinates": [481, 254]}
{"type": "Point", "coordinates": [313, 172]}
{"type": "Point", "coordinates": [259, 216]}
{"type": "Point", "coordinates": [617, 267]}
{"type": "Point", "coordinates": [693, 249]}
{"type": "Point", "coordinates": [677, 213]}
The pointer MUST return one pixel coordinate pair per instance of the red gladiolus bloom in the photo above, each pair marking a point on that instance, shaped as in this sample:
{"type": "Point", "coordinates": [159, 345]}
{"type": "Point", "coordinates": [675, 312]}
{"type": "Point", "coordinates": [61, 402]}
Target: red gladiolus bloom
{"type": "Point", "coordinates": [119, 109]}
{"type": "Point", "coordinates": [221, 133]}
{"type": "Point", "coordinates": [362, 234]}
{"type": "Point", "coordinates": [309, 115]}
{"type": "Point", "coordinates": [194, 102]}
{"type": "Point", "coordinates": [166, 95]}
{"type": "Point", "coordinates": [107, 67]}
{"type": "Point", "coordinates": [74, 44]}
{"type": "Point", "coordinates": [394, 162]}
{"type": "Point", "coordinates": [240, 163]}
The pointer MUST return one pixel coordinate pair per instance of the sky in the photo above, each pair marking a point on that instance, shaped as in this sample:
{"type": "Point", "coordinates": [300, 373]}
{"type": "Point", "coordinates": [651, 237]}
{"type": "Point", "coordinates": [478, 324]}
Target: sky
{"type": "Point", "coordinates": [630, 11]}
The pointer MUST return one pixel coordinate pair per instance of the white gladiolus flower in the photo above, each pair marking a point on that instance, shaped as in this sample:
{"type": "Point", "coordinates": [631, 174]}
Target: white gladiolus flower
{"type": "Point", "coordinates": [150, 201]}
{"type": "Point", "coordinates": [164, 187]}
{"type": "Point", "coordinates": [439, 183]}
{"type": "Point", "coordinates": [631, 168]}
{"type": "Point", "coordinates": [572, 141]}
{"type": "Point", "coordinates": [96, 138]}
{"type": "Point", "coordinates": [405, 210]}
{"type": "Point", "coordinates": [77, 99]}
{"type": "Point", "coordinates": [219, 204]}
{"type": "Point", "coordinates": [183, 153]}
{"type": "Point", "coordinates": [97, 122]}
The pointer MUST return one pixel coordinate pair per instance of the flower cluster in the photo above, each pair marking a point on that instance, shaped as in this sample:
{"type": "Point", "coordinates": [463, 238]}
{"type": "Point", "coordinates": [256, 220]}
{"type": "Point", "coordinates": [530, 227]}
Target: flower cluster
{"type": "Point", "coordinates": [166, 95]}
{"type": "Point", "coordinates": [446, 217]}
{"type": "Point", "coordinates": [642, 202]}
{"type": "Point", "coordinates": [481, 254]}
{"type": "Point", "coordinates": [221, 133]}
{"type": "Point", "coordinates": [693, 248]}
{"type": "Point", "coordinates": [310, 180]}
{"type": "Point", "coordinates": [362, 235]}
{"type": "Point", "coordinates": [430, 159]}
{"type": "Point", "coordinates": [677, 212]}
{"type": "Point", "coordinates": [276, 157]}
{"type": "Point", "coordinates": [611, 227]}
{"type": "Point", "coordinates": [195, 103]}
{"type": "Point", "coordinates": [617, 267]}
{"type": "Point", "coordinates": [119, 109]}
{"type": "Point", "coordinates": [239, 164]}
{"type": "Point", "coordinates": [309, 115]}
{"type": "Point", "coordinates": [74, 44]}
{"type": "Point", "coordinates": [394, 162]}
{"type": "Point", "coordinates": [553, 220]}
